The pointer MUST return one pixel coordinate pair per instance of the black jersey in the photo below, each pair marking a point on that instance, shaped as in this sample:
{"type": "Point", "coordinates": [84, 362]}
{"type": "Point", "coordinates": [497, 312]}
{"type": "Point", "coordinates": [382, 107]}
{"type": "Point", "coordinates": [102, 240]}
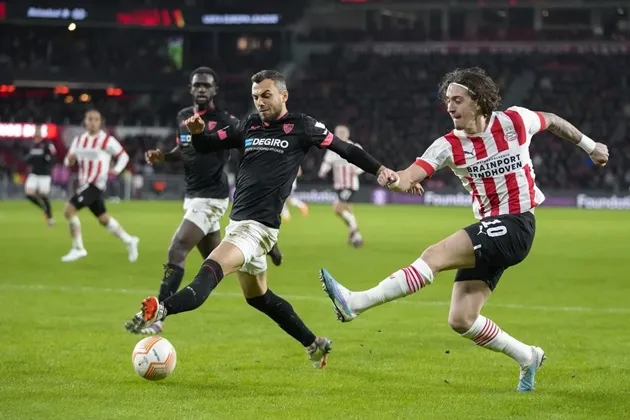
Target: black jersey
{"type": "Point", "coordinates": [272, 154]}
{"type": "Point", "coordinates": [41, 157]}
{"type": "Point", "coordinates": [204, 176]}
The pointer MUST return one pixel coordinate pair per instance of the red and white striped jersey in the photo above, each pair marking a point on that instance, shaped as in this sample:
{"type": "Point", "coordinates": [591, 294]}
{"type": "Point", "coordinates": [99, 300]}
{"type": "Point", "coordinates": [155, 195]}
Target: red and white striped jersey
{"type": "Point", "coordinates": [94, 155]}
{"type": "Point", "coordinates": [494, 166]}
{"type": "Point", "coordinates": [345, 174]}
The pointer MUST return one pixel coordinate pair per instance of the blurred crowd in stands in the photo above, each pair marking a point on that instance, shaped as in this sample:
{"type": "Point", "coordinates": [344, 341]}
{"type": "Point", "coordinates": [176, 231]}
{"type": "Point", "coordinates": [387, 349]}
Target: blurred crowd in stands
{"type": "Point", "coordinates": [389, 102]}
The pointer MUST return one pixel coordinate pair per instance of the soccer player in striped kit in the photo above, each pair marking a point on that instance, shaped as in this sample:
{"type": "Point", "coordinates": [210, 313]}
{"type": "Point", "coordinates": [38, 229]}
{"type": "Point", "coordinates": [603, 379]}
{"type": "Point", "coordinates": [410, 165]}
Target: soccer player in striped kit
{"type": "Point", "coordinates": [93, 151]}
{"type": "Point", "coordinates": [346, 183]}
{"type": "Point", "coordinates": [489, 152]}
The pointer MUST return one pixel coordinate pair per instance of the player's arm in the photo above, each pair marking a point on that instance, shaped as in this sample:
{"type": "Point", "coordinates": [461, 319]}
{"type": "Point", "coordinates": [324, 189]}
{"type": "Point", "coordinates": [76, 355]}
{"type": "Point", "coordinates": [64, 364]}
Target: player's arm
{"type": "Point", "coordinates": [355, 155]}
{"type": "Point", "coordinates": [71, 157]}
{"type": "Point", "coordinates": [326, 164]}
{"type": "Point", "coordinates": [318, 135]}
{"type": "Point", "coordinates": [564, 129]}
{"type": "Point", "coordinates": [204, 142]}
{"type": "Point", "coordinates": [118, 152]}
{"type": "Point", "coordinates": [433, 159]}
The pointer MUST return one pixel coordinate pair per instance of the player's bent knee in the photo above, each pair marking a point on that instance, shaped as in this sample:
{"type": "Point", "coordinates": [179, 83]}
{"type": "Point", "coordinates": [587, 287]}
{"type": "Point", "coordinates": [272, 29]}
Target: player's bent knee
{"type": "Point", "coordinates": [103, 219]}
{"type": "Point", "coordinates": [253, 285]}
{"type": "Point", "coordinates": [461, 321]}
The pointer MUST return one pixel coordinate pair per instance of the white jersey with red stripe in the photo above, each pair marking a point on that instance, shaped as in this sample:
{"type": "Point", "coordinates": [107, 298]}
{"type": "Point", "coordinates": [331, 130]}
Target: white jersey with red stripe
{"type": "Point", "coordinates": [94, 155]}
{"type": "Point", "coordinates": [345, 174]}
{"type": "Point", "coordinates": [494, 166]}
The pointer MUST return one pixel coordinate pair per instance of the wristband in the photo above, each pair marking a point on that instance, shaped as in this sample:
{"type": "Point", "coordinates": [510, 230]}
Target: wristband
{"type": "Point", "coordinates": [586, 144]}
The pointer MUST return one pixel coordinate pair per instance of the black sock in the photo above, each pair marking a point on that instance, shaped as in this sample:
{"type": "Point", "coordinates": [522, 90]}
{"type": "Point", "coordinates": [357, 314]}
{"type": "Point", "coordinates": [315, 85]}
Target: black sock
{"type": "Point", "coordinates": [173, 275]}
{"type": "Point", "coordinates": [47, 208]}
{"type": "Point", "coordinates": [195, 294]}
{"type": "Point", "coordinates": [35, 200]}
{"type": "Point", "coordinates": [282, 312]}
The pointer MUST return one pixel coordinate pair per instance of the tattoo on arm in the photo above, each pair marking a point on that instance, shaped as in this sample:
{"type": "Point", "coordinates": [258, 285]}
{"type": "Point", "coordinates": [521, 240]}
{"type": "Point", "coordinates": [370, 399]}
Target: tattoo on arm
{"type": "Point", "coordinates": [562, 128]}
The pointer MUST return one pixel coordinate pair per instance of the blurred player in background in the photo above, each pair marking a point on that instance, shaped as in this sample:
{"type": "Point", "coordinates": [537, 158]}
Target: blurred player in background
{"type": "Point", "coordinates": [345, 183]}
{"type": "Point", "coordinates": [275, 143]}
{"type": "Point", "coordinates": [93, 152]}
{"type": "Point", "coordinates": [207, 187]}
{"type": "Point", "coordinates": [294, 201]}
{"type": "Point", "coordinates": [489, 152]}
{"type": "Point", "coordinates": [37, 186]}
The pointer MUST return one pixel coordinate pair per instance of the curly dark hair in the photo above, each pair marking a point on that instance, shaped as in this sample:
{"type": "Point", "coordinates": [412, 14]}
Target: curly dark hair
{"type": "Point", "coordinates": [480, 86]}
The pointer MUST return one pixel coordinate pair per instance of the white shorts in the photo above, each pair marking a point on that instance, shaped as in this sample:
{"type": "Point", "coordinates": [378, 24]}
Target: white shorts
{"type": "Point", "coordinates": [206, 213]}
{"type": "Point", "coordinates": [254, 240]}
{"type": "Point", "coordinates": [38, 183]}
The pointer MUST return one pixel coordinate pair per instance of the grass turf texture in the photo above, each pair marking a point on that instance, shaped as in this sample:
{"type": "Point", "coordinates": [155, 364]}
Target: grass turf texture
{"type": "Point", "coordinates": [66, 355]}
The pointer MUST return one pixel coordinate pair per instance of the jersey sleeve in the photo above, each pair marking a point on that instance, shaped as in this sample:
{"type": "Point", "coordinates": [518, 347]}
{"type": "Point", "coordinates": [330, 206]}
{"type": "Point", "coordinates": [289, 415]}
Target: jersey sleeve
{"type": "Point", "coordinates": [113, 147]}
{"type": "Point", "coordinates": [230, 137]}
{"type": "Point", "coordinates": [533, 121]}
{"type": "Point", "coordinates": [316, 133]}
{"type": "Point", "coordinates": [435, 157]}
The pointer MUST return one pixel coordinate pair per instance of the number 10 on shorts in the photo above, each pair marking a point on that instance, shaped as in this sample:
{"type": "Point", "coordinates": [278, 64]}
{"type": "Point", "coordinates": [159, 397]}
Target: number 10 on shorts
{"type": "Point", "coordinates": [489, 228]}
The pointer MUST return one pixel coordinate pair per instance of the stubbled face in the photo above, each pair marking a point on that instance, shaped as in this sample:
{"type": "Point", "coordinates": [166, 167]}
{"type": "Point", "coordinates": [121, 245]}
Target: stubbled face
{"type": "Point", "coordinates": [342, 132]}
{"type": "Point", "coordinates": [269, 100]}
{"type": "Point", "coordinates": [203, 88]}
{"type": "Point", "coordinates": [92, 121]}
{"type": "Point", "coordinates": [461, 107]}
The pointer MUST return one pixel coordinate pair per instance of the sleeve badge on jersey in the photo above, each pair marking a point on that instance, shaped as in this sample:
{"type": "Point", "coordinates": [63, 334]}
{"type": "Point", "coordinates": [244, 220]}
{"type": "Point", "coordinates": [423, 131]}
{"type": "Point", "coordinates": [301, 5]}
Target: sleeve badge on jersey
{"type": "Point", "coordinates": [287, 128]}
{"type": "Point", "coordinates": [211, 125]}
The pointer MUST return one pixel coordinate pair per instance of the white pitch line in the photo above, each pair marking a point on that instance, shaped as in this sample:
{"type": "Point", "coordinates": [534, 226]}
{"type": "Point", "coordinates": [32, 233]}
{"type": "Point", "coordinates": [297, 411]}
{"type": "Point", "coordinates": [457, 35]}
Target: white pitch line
{"type": "Point", "coordinates": [144, 292]}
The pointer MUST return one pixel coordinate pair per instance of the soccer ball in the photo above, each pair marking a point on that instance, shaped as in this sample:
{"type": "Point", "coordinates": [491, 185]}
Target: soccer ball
{"type": "Point", "coordinates": [154, 358]}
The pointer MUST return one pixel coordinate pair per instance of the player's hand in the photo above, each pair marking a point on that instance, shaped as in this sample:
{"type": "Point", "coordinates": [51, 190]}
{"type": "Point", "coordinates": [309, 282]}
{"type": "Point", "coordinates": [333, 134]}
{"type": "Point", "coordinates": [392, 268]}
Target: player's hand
{"type": "Point", "coordinates": [154, 156]}
{"type": "Point", "coordinates": [388, 178]}
{"type": "Point", "coordinates": [600, 154]}
{"type": "Point", "coordinates": [195, 124]}
{"type": "Point", "coordinates": [71, 159]}
{"type": "Point", "coordinates": [416, 189]}
{"type": "Point", "coordinates": [113, 172]}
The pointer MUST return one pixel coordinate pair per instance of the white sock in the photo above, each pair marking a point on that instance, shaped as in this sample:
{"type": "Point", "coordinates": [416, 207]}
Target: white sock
{"type": "Point", "coordinates": [296, 202]}
{"type": "Point", "coordinates": [75, 230]}
{"type": "Point", "coordinates": [285, 211]}
{"type": "Point", "coordinates": [402, 283]}
{"type": "Point", "coordinates": [486, 333]}
{"type": "Point", "coordinates": [114, 228]}
{"type": "Point", "coordinates": [350, 220]}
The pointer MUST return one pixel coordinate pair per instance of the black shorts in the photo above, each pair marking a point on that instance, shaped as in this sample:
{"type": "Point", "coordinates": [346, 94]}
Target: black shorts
{"type": "Point", "coordinates": [91, 197]}
{"type": "Point", "coordinates": [345, 195]}
{"type": "Point", "coordinates": [499, 242]}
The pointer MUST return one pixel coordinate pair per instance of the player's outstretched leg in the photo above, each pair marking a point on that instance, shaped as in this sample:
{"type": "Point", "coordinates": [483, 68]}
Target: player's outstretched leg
{"type": "Point", "coordinates": [131, 242]}
{"type": "Point", "coordinates": [78, 251]}
{"type": "Point", "coordinates": [258, 296]}
{"type": "Point", "coordinates": [453, 252]}
{"type": "Point", "coordinates": [225, 259]}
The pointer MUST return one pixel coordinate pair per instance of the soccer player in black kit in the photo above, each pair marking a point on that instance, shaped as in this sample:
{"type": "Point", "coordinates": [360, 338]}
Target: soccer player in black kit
{"type": "Point", "coordinates": [207, 189]}
{"type": "Point", "coordinates": [37, 185]}
{"type": "Point", "coordinates": [274, 143]}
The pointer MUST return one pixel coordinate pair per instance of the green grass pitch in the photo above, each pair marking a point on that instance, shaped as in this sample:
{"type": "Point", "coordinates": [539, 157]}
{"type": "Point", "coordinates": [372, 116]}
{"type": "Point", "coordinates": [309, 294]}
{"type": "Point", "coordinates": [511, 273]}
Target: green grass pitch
{"type": "Point", "coordinates": [65, 354]}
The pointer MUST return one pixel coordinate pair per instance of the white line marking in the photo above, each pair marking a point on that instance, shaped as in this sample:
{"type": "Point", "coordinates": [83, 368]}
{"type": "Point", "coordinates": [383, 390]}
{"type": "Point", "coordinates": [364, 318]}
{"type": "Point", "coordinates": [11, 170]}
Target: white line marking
{"type": "Point", "coordinates": [148, 292]}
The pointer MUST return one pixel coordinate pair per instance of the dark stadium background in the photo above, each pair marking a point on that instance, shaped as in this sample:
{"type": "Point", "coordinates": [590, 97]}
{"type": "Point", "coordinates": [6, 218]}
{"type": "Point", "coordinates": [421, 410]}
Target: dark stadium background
{"type": "Point", "coordinates": [372, 64]}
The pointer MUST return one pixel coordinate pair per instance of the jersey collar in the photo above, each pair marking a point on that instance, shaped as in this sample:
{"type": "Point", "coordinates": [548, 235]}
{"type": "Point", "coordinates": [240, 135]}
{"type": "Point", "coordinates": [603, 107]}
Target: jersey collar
{"type": "Point", "coordinates": [211, 107]}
